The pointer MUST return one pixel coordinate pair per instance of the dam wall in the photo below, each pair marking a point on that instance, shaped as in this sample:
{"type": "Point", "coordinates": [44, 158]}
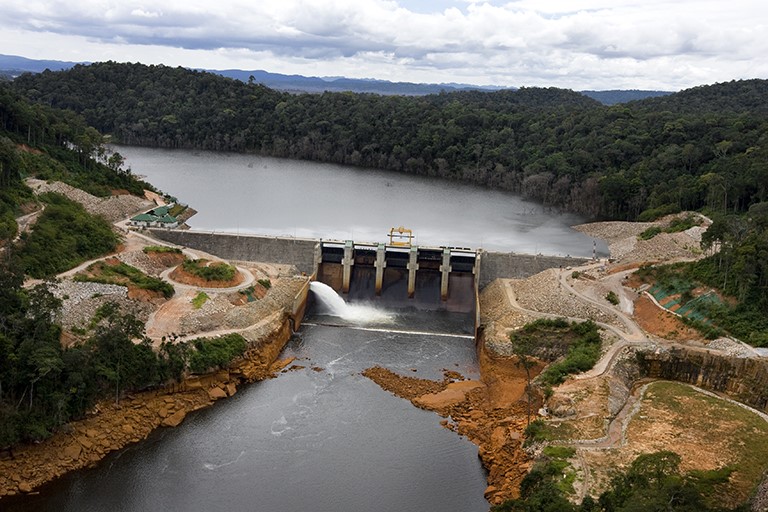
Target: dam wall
{"type": "Point", "coordinates": [304, 253]}
{"type": "Point", "coordinates": [299, 252]}
{"type": "Point", "coordinates": [503, 265]}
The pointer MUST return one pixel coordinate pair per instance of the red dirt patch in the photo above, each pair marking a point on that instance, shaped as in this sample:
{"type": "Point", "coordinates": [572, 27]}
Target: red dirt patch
{"type": "Point", "coordinates": [165, 259]}
{"type": "Point", "coordinates": [659, 322]}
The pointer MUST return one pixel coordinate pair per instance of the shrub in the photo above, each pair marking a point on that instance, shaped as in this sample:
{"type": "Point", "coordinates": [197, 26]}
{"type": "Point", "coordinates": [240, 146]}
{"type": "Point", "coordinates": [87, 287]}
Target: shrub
{"type": "Point", "coordinates": [559, 452]}
{"type": "Point", "coordinates": [582, 354]}
{"type": "Point", "coordinates": [161, 249]}
{"type": "Point", "coordinates": [266, 283]}
{"type": "Point", "coordinates": [681, 224]}
{"type": "Point", "coordinates": [199, 300]}
{"type": "Point", "coordinates": [652, 214]}
{"type": "Point", "coordinates": [536, 432]}
{"type": "Point", "coordinates": [649, 233]}
{"type": "Point", "coordinates": [612, 298]}
{"type": "Point", "coordinates": [217, 271]}
{"type": "Point", "coordinates": [212, 353]}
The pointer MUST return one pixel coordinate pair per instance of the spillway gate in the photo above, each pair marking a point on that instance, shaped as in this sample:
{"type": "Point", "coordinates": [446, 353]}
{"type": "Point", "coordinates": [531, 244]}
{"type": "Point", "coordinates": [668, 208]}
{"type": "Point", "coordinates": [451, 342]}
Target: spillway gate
{"type": "Point", "coordinates": [444, 277]}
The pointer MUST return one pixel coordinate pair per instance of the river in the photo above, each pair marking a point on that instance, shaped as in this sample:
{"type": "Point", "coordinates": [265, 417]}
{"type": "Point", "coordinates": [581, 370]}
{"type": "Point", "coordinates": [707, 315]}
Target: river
{"type": "Point", "coordinates": [310, 440]}
{"type": "Point", "coordinates": [271, 196]}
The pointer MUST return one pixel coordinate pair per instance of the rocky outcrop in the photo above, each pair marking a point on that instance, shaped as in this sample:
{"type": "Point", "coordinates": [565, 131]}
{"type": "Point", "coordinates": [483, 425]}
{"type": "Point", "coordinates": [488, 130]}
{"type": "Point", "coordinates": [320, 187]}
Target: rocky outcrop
{"type": "Point", "coordinates": [743, 379]}
{"type": "Point", "coordinates": [111, 208]}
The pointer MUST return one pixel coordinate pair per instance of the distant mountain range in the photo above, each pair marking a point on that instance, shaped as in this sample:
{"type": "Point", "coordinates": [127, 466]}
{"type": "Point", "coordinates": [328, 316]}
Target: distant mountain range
{"type": "Point", "coordinates": [12, 66]}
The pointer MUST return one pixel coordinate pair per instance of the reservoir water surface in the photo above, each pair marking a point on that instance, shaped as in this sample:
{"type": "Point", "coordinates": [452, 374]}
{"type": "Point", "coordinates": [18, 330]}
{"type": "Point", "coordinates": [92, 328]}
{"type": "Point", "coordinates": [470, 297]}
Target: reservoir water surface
{"type": "Point", "coordinates": [271, 196]}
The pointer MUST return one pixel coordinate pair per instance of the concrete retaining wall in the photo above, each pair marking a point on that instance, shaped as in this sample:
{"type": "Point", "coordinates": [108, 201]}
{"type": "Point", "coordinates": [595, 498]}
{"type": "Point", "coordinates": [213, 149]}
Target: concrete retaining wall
{"type": "Point", "coordinates": [288, 251]}
{"type": "Point", "coordinates": [301, 253]}
{"type": "Point", "coordinates": [743, 379]}
{"type": "Point", "coordinates": [495, 265]}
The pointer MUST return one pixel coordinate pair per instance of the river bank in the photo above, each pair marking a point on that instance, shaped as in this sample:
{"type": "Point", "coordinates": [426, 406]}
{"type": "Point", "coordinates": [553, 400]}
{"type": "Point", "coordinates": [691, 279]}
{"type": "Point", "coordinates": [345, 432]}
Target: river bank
{"type": "Point", "coordinates": [489, 412]}
{"type": "Point", "coordinates": [111, 426]}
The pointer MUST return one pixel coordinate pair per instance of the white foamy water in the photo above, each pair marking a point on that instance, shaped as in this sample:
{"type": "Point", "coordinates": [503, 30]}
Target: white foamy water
{"type": "Point", "coordinates": [332, 304]}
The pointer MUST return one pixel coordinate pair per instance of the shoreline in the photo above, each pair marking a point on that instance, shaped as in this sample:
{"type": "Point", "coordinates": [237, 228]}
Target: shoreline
{"type": "Point", "coordinates": [84, 443]}
{"type": "Point", "coordinates": [489, 412]}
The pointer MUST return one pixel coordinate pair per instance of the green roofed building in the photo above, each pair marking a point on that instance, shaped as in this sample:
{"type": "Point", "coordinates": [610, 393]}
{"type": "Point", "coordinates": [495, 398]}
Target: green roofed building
{"type": "Point", "coordinates": [156, 218]}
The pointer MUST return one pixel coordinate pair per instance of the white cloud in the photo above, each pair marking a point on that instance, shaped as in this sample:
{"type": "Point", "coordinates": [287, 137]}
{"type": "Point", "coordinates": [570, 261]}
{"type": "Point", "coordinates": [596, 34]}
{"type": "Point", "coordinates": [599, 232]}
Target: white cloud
{"type": "Point", "coordinates": [569, 43]}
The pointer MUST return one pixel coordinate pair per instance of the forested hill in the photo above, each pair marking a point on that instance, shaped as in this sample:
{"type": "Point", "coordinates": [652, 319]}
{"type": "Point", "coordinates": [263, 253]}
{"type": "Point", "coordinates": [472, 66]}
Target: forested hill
{"type": "Point", "coordinates": [742, 96]}
{"type": "Point", "coordinates": [551, 145]}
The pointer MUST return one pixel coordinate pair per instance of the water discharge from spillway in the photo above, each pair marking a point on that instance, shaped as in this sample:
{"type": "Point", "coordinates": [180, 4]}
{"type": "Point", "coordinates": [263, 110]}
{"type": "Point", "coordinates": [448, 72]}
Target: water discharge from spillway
{"type": "Point", "coordinates": [332, 304]}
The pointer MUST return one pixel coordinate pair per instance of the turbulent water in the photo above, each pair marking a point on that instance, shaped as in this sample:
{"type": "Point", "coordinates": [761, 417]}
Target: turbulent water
{"type": "Point", "coordinates": [331, 304]}
{"type": "Point", "coordinates": [253, 194]}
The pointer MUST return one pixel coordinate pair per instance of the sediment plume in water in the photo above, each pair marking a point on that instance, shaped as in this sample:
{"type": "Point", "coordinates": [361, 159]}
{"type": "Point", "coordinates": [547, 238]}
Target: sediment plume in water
{"type": "Point", "coordinates": [332, 304]}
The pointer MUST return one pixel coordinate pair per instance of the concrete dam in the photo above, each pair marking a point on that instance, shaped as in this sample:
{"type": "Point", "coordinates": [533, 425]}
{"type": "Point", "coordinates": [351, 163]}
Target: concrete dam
{"type": "Point", "coordinates": [425, 278]}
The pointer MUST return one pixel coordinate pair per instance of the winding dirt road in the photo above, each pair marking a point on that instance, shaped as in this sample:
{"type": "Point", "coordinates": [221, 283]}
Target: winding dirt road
{"type": "Point", "coordinates": [630, 336]}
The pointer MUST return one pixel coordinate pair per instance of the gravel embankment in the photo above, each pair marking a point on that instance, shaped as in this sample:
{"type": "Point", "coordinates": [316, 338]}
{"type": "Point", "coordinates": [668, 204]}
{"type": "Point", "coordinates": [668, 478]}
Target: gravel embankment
{"type": "Point", "coordinates": [80, 301]}
{"type": "Point", "coordinates": [542, 292]}
{"type": "Point", "coordinates": [730, 347]}
{"type": "Point", "coordinates": [499, 318]}
{"type": "Point", "coordinates": [219, 313]}
{"type": "Point", "coordinates": [111, 208]}
{"type": "Point", "coordinates": [141, 261]}
{"type": "Point", "coordinates": [625, 247]}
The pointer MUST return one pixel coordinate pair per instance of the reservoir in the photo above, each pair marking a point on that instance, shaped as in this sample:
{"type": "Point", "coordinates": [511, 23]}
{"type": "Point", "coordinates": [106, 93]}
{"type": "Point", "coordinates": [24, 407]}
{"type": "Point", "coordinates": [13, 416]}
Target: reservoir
{"type": "Point", "coordinates": [241, 193]}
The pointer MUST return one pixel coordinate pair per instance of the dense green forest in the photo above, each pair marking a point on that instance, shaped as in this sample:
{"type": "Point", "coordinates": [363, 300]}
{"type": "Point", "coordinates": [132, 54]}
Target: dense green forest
{"type": "Point", "coordinates": [705, 147]}
{"type": "Point", "coordinates": [42, 383]}
{"type": "Point", "coordinates": [48, 143]}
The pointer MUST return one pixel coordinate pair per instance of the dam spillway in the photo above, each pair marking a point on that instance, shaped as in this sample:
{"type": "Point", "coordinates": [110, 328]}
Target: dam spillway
{"type": "Point", "coordinates": [396, 277]}
{"type": "Point", "coordinates": [434, 278]}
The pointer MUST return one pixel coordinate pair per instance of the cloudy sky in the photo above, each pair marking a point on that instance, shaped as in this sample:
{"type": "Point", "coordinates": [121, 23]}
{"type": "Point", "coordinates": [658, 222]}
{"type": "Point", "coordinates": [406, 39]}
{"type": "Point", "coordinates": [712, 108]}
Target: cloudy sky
{"type": "Point", "coordinates": [577, 44]}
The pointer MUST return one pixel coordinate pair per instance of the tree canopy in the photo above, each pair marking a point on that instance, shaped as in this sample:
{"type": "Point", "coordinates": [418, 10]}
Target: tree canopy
{"type": "Point", "coordinates": [705, 147]}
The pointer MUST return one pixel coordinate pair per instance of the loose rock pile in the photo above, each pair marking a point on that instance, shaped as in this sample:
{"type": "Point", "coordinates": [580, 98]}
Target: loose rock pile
{"type": "Point", "coordinates": [499, 318]}
{"type": "Point", "coordinates": [141, 261]}
{"type": "Point", "coordinates": [111, 208]}
{"type": "Point", "coordinates": [80, 301]}
{"type": "Point", "coordinates": [542, 292]}
{"type": "Point", "coordinates": [219, 313]}
{"type": "Point", "coordinates": [730, 347]}
{"type": "Point", "coordinates": [625, 247]}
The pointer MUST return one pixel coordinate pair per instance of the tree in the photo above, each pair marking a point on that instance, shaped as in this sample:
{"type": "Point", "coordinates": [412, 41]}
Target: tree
{"type": "Point", "coordinates": [522, 349]}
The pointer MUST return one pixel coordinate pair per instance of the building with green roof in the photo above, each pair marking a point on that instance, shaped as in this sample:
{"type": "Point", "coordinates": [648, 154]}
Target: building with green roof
{"type": "Point", "coordinates": [156, 218]}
